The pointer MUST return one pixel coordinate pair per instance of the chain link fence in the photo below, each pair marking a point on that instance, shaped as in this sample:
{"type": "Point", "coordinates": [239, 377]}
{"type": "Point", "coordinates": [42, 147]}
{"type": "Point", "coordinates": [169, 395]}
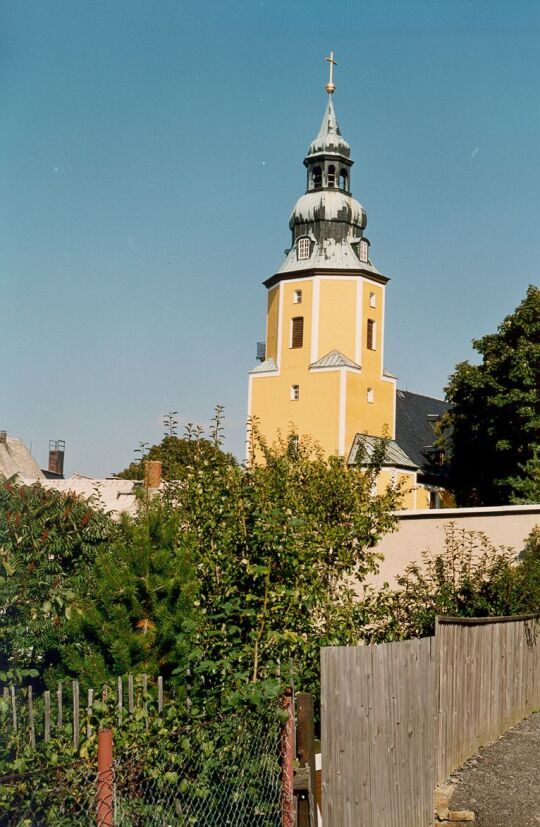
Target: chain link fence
{"type": "Point", "coordinates": [200, 783]}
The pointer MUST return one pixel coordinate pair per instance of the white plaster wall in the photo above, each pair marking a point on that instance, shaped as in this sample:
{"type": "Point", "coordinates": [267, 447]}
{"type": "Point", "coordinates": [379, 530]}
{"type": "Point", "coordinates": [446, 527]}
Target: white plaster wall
{"type": "Point", "coordinates": [420, 531]}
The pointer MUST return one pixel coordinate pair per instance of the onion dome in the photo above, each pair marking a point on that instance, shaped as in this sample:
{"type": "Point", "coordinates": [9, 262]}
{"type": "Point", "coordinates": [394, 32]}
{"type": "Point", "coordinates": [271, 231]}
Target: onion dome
{"type": "Point", "coordinates": [328, 205]}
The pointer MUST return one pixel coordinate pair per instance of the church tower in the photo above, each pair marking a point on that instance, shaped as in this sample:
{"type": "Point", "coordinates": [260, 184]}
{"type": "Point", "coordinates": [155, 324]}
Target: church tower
{"type": "Point", "coordinates": [322, 373]}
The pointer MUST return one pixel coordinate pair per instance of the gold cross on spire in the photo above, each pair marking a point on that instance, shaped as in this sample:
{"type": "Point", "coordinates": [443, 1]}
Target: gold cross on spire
{"type": "Point", "coordinates": [331, 86]}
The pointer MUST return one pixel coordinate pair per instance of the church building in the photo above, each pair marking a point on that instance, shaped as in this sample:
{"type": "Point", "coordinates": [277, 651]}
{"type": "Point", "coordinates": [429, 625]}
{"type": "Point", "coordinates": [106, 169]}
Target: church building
{"type": "Point", "coordinates": [321, 371]}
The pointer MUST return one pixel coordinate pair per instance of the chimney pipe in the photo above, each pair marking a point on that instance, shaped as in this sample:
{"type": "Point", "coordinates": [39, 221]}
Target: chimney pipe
{"type": "Point", "coordinates": [152, 473]}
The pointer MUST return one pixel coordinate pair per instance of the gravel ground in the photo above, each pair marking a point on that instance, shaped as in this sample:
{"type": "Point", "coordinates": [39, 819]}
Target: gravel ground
{"type": "Point", "coordinates": [502, 783]}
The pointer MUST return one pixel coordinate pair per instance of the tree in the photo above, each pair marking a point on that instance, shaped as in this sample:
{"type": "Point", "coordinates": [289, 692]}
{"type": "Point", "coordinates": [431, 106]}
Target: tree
{"type": "Point", "coordinates": [48, 542]}
{"type": "Point", "coordinates": [491, 431]}
{"type": "Point", "coordinates": [137, 612]}
{"type": "Point", "coordinates": [176, 453]}
{"type": "Point", "coordinates": [280, 548]}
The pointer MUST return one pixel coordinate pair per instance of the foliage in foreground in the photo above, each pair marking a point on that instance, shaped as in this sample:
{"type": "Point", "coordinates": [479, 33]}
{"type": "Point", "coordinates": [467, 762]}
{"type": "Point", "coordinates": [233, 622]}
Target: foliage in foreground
{"type": "Point", "coordinates": [171, 767]}
{"type": "Point", "coordinates": [470, 578]}
{"type": "Point", "coordinates": [48, 544]}
{"type": "Point", "coordinates": [492, 428]}
{"type": "Point", "coordinates": [219, 583]}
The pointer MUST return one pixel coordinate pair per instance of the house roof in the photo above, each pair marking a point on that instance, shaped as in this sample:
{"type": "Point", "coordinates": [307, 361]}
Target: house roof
{"type": "Point", "coordinates": [17, 461]}
{"type": "Point", "coordinates": [416, 416]}
{"type": "Point", "coordinates": [394, 457]}
{"type": "Point", "coordinates": [114, 496]}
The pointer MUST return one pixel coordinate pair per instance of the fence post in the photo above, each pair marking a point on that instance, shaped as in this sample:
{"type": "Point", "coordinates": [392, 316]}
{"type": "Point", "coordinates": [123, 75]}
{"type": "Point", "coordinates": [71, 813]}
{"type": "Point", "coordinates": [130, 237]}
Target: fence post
{"type": "Point", "coordinates": [31, 726]}
{"type": "Point", "coordinates": [287, 758]}
{"type": "Point", "coordinates": [105, 779]}
{"type": "Point", "coordinates": [305, 747]}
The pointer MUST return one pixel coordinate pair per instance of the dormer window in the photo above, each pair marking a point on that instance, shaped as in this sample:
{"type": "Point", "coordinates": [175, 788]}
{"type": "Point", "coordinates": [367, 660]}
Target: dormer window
{"type": "Point", "coordinates": [317, 177]}
{"type": "Point", "coordinates": [303, 248]}
{"type": "Point", "coordinates": [343, 180]}
{"type": "Point", "coordinates": [363, 249]}
{"type": "Point", "coordinates": [331, 176]}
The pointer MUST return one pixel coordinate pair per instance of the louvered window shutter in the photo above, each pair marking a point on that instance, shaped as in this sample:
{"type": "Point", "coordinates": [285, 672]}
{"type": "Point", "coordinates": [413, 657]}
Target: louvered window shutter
{"type": "Point", "coordinates": [297, 335]}
{"type": "Point", "coordinates": [371, 334]}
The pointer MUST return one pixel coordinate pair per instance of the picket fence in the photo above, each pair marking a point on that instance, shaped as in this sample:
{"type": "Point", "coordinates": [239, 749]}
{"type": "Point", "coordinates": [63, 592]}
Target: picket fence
{"type": "Point", "coordinates": [204, 779]}
{"type": "Point", "coordinates": [397, 718]}
{"type": "Point", "coordinates": [138, 690]}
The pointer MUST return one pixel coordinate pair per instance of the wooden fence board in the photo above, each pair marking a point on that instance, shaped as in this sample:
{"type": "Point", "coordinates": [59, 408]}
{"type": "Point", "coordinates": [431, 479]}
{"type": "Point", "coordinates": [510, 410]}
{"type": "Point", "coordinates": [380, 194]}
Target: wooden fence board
{"type": "Point", "coordinates": [376, 734]}
{"type": "Point", "coordinates": [398, 717]}
{"type": "Point", "coordinates": [489, 674]}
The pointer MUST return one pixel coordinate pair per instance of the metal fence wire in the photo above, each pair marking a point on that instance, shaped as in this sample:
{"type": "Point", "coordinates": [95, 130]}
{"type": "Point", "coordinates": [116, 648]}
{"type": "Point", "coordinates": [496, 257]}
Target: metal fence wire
{"type": "Point", "coordinates": [237, 783]}
{"type": "Point", "coordinates": [60, 796]}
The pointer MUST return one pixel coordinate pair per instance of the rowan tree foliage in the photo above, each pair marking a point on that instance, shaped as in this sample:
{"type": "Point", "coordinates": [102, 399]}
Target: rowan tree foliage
{"type": "Point", "coordinates": [492, 428]}
{"type": "Point", "coordinates": [48, 543]}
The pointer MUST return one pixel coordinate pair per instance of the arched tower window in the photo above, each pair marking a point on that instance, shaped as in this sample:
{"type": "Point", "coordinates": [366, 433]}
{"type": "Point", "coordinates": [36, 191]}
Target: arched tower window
{"type": "Point", "coordinates": [316, 177]}
{"type": "Point", "coordinates": [343, 180]}
{"type": "Point", "coordinates": [331, 176]}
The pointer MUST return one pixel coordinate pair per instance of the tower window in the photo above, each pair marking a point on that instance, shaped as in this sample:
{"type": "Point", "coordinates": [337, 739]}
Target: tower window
{"type": "Point", "coordinates": [295, 393]}
{"type": "Point", "coordinates": [370, 395]}
{"type": "Point", "coordinates": [363, 250]}
{"type": "Point", "coordinates": [297, 297]}
{"type": "Point", "coordinates": [317, 177]}
{"type": "Point", "coordinates": [343, 179]}
{"type": "Point", "coordinates": [303, 246]}
{"type": "Point", "coordinates": [371, 334]}
{"type": "Point", "coordinates": [331, 176]}
{"type": "Point", "coordinates": [297, 331]}
{"type": "Point", "coordinates": [372, 300]}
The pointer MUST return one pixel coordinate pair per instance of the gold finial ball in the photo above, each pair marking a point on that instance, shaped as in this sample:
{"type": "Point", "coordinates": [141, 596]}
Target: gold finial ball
{"type": "Point", "coordinates": [330, 88]}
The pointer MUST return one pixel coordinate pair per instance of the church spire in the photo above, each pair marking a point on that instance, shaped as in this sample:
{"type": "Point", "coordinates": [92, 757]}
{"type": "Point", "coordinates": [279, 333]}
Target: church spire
{"type": "Point", "coordinates": [329, 138]}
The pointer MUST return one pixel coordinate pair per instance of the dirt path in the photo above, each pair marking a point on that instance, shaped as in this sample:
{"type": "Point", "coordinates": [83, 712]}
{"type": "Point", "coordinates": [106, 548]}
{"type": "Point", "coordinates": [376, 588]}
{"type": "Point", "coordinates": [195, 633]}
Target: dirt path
{"type": "Point", "coordinates": [502, 783]}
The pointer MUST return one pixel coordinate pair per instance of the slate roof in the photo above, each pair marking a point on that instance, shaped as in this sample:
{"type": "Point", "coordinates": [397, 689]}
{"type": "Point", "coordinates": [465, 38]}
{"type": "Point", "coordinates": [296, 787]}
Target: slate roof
{"type": "Point", "coordinates": [330, 255]}
{"type": "Point", "coordinates": [395, 457]}
{"type": "Point", "coordinates": [415, 433]}
{"type": "Point", "coordinates": [334, 359]}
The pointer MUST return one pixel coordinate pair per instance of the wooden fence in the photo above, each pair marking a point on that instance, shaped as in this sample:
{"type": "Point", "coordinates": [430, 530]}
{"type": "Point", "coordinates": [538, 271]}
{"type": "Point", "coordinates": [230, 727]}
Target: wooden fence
{"type": "Point", "coordinates": [66, 706]}
{"type": "Point", "coordinates": [489, 679]}
{"type": "Point", "coordinates": [398, 717]}
{"type": "Point", "coordinates": [377, 712]}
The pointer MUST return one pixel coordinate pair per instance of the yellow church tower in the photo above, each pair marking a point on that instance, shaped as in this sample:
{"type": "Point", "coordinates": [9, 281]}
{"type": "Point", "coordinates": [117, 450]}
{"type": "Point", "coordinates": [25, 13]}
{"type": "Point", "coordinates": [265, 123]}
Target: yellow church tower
{"type": "Point", "coordinates": [322, 372]}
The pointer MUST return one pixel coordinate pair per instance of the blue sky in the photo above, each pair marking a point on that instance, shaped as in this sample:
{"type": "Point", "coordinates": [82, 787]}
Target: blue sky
{"type": "Point", "coordinates": [151, 154]}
